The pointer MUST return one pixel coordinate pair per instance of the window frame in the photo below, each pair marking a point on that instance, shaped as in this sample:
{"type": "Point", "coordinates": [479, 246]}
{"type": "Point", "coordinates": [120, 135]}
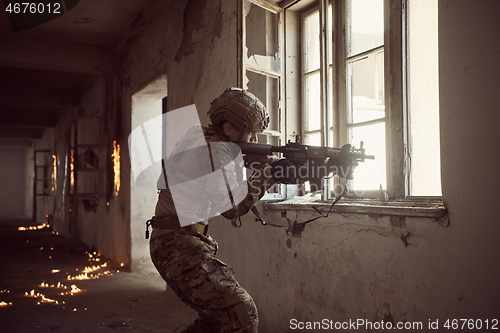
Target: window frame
{"type": "Point", "coordinates": [304, 74]}
{"type": "Point", "coordinates": [243, 66]}
{"type": "Point", "coordinates": [395, 92]}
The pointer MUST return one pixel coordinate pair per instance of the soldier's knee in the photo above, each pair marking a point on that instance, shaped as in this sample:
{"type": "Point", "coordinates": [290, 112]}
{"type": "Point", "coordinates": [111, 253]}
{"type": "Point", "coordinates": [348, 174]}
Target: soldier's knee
{"type": "Point", "coordinates": [247, 317]}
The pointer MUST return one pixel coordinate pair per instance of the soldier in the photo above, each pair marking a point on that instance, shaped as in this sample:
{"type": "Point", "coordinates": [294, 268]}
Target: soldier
{"type": "Point", "coordinates": [185, 256]}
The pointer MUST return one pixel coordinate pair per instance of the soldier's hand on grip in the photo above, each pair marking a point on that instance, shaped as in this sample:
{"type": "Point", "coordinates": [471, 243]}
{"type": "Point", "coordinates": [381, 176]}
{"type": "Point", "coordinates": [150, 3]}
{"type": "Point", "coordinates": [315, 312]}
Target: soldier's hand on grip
{"type": "Point", "coordinates": [257, 162]}
{"type": "Point", "coordinates": [285, 172]}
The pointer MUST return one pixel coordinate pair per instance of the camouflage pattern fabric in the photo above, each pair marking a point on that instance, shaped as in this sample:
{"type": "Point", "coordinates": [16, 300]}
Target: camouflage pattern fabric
{"type": "Point", "coordinates": [186, 260]}
{"type": "Point", "coordinates": [257, 184]}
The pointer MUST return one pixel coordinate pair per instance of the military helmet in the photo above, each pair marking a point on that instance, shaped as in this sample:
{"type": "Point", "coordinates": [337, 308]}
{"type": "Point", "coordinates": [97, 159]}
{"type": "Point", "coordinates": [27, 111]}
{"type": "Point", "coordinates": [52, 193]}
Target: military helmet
{"type": "Point", "coordinates": [241, 109]}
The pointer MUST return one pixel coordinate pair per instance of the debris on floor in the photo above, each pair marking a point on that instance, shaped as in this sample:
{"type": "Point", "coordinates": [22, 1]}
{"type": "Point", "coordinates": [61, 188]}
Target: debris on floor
{"type": "Point", "coordinates": [51, 283]}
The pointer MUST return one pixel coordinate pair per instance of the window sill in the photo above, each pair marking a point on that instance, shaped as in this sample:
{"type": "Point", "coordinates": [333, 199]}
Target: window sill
{"type": "Point", "coordinates": [411, 207]}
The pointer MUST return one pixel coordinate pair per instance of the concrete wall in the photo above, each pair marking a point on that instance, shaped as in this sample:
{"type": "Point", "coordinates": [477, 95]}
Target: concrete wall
{"type": "Point", "coordinates": [469, 99]}
{"type": "Point", "coordinates": [44, 204]}
{"type": "Point", "coordinates": [13, 181]}
{"type": "Point", "coordinates": [29, 173]}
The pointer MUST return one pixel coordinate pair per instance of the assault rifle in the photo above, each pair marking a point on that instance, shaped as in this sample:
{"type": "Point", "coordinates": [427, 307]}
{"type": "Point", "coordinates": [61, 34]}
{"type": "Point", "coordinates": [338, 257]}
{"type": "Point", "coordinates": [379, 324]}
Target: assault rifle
{"type": "Point", "coordinates": [314, 163]}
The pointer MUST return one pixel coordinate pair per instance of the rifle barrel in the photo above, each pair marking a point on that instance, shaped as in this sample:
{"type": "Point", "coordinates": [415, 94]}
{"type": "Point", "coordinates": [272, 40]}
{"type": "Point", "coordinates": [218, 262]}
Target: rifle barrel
{"type": "Point", "coordinates": [264, 149]}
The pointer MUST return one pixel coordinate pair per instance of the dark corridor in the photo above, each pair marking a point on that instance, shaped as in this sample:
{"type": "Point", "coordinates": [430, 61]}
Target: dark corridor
{"type": "Point", "coordinates": [50, 283]}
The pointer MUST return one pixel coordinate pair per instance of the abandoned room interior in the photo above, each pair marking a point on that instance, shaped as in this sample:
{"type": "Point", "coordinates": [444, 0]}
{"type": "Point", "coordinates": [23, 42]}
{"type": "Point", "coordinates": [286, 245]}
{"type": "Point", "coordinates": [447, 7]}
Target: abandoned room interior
{"type": "Point", "coordinates": [413, 240]}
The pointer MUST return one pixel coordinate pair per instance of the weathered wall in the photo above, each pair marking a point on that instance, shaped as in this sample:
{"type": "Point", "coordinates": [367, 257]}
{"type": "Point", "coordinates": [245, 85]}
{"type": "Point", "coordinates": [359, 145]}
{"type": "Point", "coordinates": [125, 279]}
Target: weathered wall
{"type": "Point", "coordinates": [469, 99]}
{"type": "Point", "coordinates": [13, 182]}
{"type": "Point", "coordinates": [194, 44]}
{"type": "Point", "coordinates": [103, 224]}
{"type": "Point", "coordinates": [59, 200]}
{"type": "Point", "coordinates": [29, 173]}
{"type": "Point", "coordinates": [44, 204]}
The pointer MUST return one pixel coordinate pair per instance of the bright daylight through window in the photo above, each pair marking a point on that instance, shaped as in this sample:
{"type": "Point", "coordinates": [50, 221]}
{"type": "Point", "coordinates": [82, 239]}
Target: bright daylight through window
{"type": "Point", "coordinates": [366, 114]}
{"type": "Point", "coordinates": [352, 71]}
{"type": "Point", "coordinates": [360, 82]}
{"type": "Point", "coordinates": [424, 98]}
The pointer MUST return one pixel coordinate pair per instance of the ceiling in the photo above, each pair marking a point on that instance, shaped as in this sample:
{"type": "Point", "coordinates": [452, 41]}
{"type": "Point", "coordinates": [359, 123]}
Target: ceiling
{"type": "Point", "coordinates": [43, 68]}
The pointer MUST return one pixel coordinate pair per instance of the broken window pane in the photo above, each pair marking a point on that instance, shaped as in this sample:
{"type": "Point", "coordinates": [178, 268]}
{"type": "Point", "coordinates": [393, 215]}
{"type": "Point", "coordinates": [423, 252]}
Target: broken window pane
{"type": "Point", "coordinates": [366, 25]}
{"type": "Point", "coordinates": [366, 78]}
{"type": "Point", "coordinates": [261, 39]}
{"type": "Point", "coordinates": [266, 89]}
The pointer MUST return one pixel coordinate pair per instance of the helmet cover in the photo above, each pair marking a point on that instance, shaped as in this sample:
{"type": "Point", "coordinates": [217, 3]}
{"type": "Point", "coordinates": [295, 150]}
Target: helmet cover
{"type": "Point", "coordinates": [241, 109]}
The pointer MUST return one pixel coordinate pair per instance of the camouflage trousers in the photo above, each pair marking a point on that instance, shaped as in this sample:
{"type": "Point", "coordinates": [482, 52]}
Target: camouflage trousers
{"type": "Point", "coordinates": [186, 261]}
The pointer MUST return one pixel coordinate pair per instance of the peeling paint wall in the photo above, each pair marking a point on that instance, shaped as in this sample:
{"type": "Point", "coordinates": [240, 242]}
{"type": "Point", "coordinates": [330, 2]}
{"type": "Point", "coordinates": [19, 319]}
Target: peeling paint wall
{"type": "Point", "coordinates": [100, 222]}
{"type": "Point", "coordinates": [103, 224]}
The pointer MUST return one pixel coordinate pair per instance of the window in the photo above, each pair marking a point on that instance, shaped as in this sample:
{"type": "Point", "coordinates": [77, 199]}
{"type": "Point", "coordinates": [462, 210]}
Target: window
{"type": "Point", "coordinates": [358, 72]}
{"type": "Point", "coordinates": [262, 62]}
{"type": "Point", "coordinates": [311, 79]}
{"type": "Point", "coordinates": [354, 88]}
{"type": "Point", "coordinates": [261, 71]}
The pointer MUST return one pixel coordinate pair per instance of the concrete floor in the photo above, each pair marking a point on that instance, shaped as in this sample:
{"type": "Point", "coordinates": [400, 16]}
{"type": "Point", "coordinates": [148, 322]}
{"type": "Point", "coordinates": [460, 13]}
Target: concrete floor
{"type": "Point", "coordinates": [116, 302]}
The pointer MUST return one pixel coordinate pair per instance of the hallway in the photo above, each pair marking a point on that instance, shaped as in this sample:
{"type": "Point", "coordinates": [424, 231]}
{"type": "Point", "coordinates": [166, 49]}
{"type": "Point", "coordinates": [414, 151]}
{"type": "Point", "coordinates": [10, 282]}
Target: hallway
{"type": "Point", "coordinates": [52, 284]}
